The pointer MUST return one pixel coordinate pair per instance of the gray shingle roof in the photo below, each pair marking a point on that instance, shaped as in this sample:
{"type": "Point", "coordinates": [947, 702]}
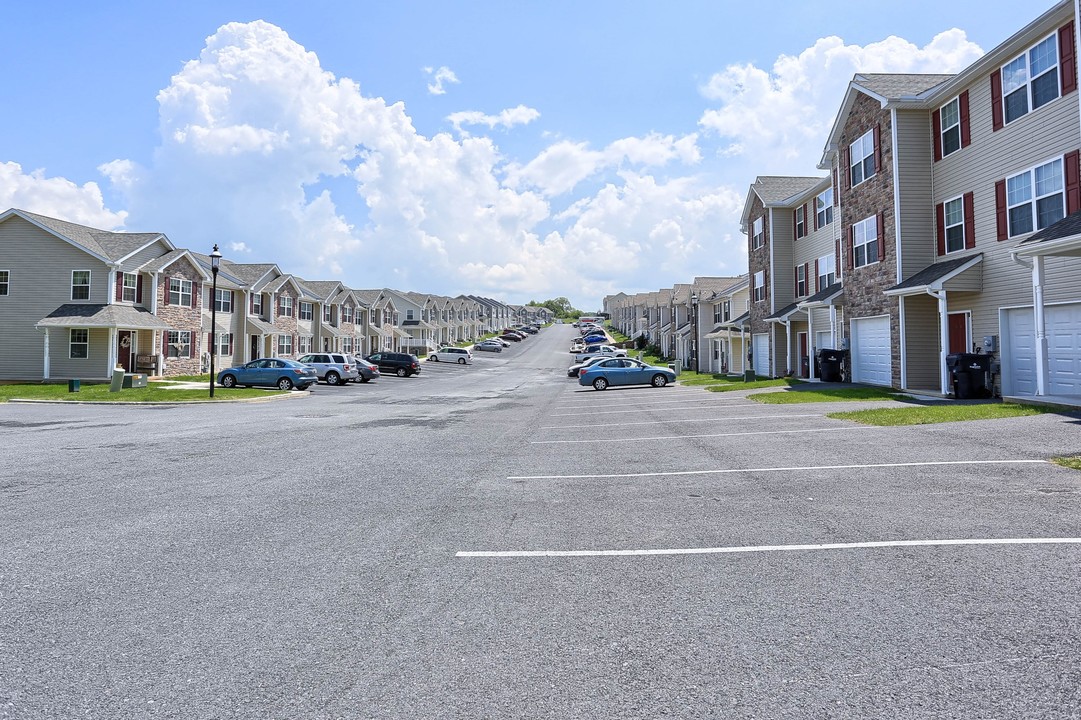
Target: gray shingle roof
{"type": "Point", "coordinates": [112, 245]}
{"type": "Point", "coordinates": [774, 189]}
{"type": "Point", "coordinates": [899, 85]}
{"type": "Point", "coordinates": [103, 316]}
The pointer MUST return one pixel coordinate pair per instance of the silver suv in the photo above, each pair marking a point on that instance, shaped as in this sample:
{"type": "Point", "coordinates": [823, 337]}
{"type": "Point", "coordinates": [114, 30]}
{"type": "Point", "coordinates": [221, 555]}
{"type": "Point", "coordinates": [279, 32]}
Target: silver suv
{"type": "Point", "coordinates": [333, 368]}
{"type": "Point", "coordinates": [452, 354]}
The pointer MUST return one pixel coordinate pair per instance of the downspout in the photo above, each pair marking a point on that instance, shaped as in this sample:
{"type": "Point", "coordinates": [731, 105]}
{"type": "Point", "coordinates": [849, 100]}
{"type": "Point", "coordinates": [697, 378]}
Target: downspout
{"type": "Point", "coordinates": [944, 339]}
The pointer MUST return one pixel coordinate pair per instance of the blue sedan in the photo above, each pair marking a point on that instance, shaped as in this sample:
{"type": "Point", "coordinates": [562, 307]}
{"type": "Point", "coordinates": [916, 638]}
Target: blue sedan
{"type": "Point", "coordinates": [270, 372]}
{"type": "Point", "coordinates": [624, 371]}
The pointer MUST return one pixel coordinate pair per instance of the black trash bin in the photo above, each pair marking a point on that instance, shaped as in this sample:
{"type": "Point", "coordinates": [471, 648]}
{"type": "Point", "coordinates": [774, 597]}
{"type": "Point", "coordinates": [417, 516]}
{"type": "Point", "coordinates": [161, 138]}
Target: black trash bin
{"type": "Point", "coordinates": [968, 372]}
{"type": "Point", "coordinates": [805, 367]}
{"type": "Point", "coordinates": [830, 362]}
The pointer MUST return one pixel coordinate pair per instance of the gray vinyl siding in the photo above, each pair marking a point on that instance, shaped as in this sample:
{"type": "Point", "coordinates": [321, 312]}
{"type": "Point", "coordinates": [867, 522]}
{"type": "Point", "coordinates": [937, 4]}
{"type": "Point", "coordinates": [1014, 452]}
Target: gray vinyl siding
{"type": "Point", "coordinates": [780, 288]}
{"type": "Point", "coordinates": [915, 214]}
{"type": "Point", "coordinates": [155, 249]}
{"type": "Point", "coordinates": [820, 322]}
{"type": "Point", "coordinates": [62, 367]}
{"type": "Point", "coordinates": [922, 343]}
{"type": "Point", "coordinates": [40, 268]}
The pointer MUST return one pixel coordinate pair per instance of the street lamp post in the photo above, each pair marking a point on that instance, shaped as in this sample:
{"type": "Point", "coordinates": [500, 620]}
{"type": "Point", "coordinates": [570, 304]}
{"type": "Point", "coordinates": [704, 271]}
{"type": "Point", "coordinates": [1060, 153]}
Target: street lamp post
{"type": "Point", "coordinates": [694, 332]}
{"type": "Point", "coordinates": [215, 259]}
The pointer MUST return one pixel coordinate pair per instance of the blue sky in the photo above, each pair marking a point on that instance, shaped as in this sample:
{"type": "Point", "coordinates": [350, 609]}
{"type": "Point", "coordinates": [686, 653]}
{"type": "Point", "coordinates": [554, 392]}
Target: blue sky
{"type": "Point", "coordinates": [511, 149]}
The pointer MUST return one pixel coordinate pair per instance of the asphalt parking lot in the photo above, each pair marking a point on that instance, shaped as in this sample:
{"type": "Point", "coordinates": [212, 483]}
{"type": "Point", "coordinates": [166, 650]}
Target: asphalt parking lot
{"type": "Point", "coordinates": [496, 541]}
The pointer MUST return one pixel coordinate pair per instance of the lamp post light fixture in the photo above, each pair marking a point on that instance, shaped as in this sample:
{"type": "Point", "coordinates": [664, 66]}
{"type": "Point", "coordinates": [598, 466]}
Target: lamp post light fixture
{"type": "Point", "coordinates": [215, 259]}
{"type": "Point", "coordinates": [694, 332]}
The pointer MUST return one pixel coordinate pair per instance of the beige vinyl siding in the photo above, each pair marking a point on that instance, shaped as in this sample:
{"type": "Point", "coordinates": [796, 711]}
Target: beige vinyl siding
{"type": "Point", "coordinates": [780, 288]}
{"type": "Point", "coordinates": [922, 343]}
{"type": "Point", "coordinates": [155, 249]}
{"type": "Point", "coordinates": [40, 266]}
{"type": "Point", "coordinates": [820, 318]}
{"type": "Point", "coordinates": [61, 367]}
{"type": "Point", "coordinates": [916, 212]}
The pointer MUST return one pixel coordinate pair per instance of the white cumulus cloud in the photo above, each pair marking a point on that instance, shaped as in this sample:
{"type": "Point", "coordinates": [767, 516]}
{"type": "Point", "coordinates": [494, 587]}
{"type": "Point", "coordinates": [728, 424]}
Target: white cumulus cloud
{"type": "Point", "coordinates": [440, 76]}
{"type": "Point", "coordinates": [508, 118]}
{"type": "Point", "coordinates": [56, 197]}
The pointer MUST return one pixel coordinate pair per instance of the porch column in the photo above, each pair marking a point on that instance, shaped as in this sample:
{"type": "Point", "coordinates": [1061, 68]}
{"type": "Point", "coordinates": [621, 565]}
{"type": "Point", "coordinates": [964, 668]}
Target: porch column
{"type": "Point", "coordinates": [112, 355]}
{"type": "Point", "coordinates": [788, 348]}
{"type": "Point", "coordinates": [943, 341]}
{"type": "Point", "coordinates": [45, 364]}
{"type": "Point", "coordinates": [833, 326]}
{"type": "Point", "coordinates": [1039, 324]}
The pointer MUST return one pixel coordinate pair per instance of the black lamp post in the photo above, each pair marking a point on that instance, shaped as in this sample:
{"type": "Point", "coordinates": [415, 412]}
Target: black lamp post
{"type": "Point", "coordinates": [215, 258]}
{"type": "Point", "coordinates": [694, 332]}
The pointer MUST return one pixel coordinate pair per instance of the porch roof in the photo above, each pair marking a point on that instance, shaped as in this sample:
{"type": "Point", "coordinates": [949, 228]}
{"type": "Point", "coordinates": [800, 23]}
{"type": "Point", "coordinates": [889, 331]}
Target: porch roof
{"type": "Point", "coordinates": [255, 326]}
{"type": "Point", "coordinates": [332, 331]}
{"type": "Point", "coordinates": [97, 315]}
{"type": "Point", "coordinates": [742, 321]}
{"type": "Point", "coordinates": [717, 331]}
{"type": "Point", "coordinates": [963, 273]}
{"type": "Point", "coordinates": [786, 313]}
{"type": "Point", "coordinates": [823, 298]}
{"type": "Point", "coordinates": [1062, 238]}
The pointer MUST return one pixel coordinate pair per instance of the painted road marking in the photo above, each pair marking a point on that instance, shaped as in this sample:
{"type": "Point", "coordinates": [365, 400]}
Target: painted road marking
{"type": "Point", "coordinates": [670, 420]}
{"type": "Point", "coordinates": [712, 435]}
{"type": "Point", "coordinates": [804, 468]}
{"type": "Point", "coordinates": [769, 548]}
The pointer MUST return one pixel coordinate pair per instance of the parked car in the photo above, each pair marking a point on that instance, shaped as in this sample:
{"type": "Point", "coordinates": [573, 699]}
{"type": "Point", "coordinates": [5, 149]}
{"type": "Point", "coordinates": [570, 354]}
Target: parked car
{"type": "Point", "coordinates": [528, 329]}
{"type": "Point", "coordinates": [591, 350]}
{"type": "Point", "coordinates": [501, 341]}
{"type": "Point", "coordinates": [489, 346]}
{"type": "Point", "coordinates": [401, 364]}
{"type": "Point", "coordinates": [624, 371]}
{"type": "Point", "coordinates": [333, 368]}
{"type": "Point", "coordinates": [594, 339]}
{"type": "Point", "coordinates": [366, 371]}
{"type": "Point", "coordinates": [577, 345]}
{"type": "Point", "coordinates": [452, 354]}
{"type": "Point", "coordinates": [576, 369]}
{"type": "Point", "coordinates": [511, 337]}
{"type": "Point", "coordinates": [270, 372]}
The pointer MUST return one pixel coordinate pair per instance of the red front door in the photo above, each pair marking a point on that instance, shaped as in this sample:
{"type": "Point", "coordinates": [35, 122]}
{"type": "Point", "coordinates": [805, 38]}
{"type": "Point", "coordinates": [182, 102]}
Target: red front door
{"type": "Point", "coordinates": [805, 368]}
{"type": "Point", "coordinates": [958, 327]}
{"type": "Point", "coordinates": [125, 349]}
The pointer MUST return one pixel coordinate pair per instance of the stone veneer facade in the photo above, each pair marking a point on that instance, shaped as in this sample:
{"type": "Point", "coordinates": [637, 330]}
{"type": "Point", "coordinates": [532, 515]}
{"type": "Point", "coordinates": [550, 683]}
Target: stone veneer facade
{"type": "Point", "coordinates": [758, 260]}
{"type": "Point", "coordinates": [287, 324]}
{"type": "Point", "coordinates": [181, 318]}
{"type": "Point", "coordinates": [864, 286]}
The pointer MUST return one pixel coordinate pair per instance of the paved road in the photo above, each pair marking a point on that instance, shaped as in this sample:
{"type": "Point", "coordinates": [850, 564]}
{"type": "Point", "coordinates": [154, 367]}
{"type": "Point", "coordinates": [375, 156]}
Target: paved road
{"type": "Point", "coordinates": [442, 547]}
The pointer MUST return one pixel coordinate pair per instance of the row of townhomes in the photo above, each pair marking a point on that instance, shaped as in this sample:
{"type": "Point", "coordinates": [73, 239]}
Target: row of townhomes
{"type": "Point", "coordinates": [946, 219]}
{"type": "Point", "coordinates": [80, 301]}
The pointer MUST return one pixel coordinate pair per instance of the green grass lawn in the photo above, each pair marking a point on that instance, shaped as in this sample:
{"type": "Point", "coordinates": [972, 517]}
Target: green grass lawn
{"type": "Point", "coordinates": [755, 385]}
{"type": "Point", "coordinates": [156, 392]}
{"type": "Point", "coordinates": [929, 414]}
{"type": "Point", "coordinates": [1073, 463]}
{"type": "Point", "coordinates": [824, 395]}
{"type": "Point", "coordinates": [693, 378]}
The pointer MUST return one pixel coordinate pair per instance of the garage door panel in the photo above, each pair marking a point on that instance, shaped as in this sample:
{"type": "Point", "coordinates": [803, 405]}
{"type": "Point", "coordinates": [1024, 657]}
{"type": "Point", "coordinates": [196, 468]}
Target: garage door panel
{"type": "Point", "coordinates": [1063, 325]}
{"type": "Point", "coordinates": [872, 360]}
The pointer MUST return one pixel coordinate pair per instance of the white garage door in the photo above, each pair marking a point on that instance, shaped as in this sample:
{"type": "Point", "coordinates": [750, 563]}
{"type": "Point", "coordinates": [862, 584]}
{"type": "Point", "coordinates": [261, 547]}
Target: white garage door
{"type": "Point", "coordinates": [871, 361]}
{"type": "Point", "coordinates": [1063, 324]}
{"type": "Point", "coordinates": [760, 351]}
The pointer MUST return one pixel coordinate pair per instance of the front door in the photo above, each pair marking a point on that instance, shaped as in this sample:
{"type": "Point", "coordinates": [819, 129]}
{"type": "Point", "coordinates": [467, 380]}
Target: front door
{"type": "Point", "coordinates": [255, 354]}
{"type": "Point", "coordinates": [804, 362]}
{"type": "Point", "coordinates": [958, 328]}
{"type": "Point", "coordinates": [125, 349]}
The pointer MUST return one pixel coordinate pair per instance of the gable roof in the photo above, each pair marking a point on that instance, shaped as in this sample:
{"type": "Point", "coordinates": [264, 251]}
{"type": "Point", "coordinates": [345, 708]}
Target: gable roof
{"type": "Point", "coordinates": [107, 246]}
{"type": "Point", "coordinates": [777, 191]}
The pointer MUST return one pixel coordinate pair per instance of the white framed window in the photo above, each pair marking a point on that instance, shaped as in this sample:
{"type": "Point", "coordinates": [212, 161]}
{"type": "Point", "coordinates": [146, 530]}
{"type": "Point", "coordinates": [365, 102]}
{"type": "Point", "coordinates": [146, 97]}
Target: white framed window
{"type": "Point", "coordinates": [824, 207]}
{"type": "Point", "coordinates": [1035, 198]}
{"type": "Point", "coordinates": [372, 318]}
{"type": "Point", "coordinates": [801, 222]}
{"type": "Point", "coordinates": [305, 310]}
{"type": "Point", "coordinates": [865, 242]}
{"type": "Point", "coordinates": [80, 284]}
{"type": "Point", "coordinates": [951, 126]}
{"type": "Point", "coordinates": [1030, 80]}
{"type": "Point", "coordinates": [304, 344]}
{"type": "Point", "coordinates": [223, 301]}
{"type": "Point", "coordinates": [5, 282]}
{"type": "Point", "coordinates": [285, 344]}
{"type": "Point", "coordinates": [801, 281]}
{"type": "Point", "coordinates": [78, 344]}
{"type": "Point", "coordinates": [225, 343]}
{"type": "Point", "coordinates": [827, 271]}
{"type": "Point", "coordinates": [130, 288]}
{"type": "Point", "coordinates": [760, 286]}
{"type": "Point", "coordinates": [758, 233]}
{"type": "Point", "coordinates": [180, 292]}
{"type": "Point", "coordinates": [326, 314]}
{"type": "Point", "coordinates": [347, 345]}
{"type": "Point", "coordinates": [347, 313]}
{"type": "Point", "coordinates": [257, 304]}
{"type": "Point", "coordinates": [409, 314]}
{"type": "Point", "coordinates": [287, 306]}
{"type": "Point", "coordinates": [954, 224]}
{"type": "Point", "coordinates": [179, 344]}
{"type": "Point", "coordinates": [862, 158]}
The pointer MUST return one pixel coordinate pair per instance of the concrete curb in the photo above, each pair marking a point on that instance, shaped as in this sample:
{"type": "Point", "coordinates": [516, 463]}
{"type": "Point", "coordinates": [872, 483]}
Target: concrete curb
{"type": "Point", "coordinates": [268, 398]}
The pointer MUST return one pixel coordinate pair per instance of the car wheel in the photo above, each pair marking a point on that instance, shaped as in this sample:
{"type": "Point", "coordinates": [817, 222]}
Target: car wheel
{"type": "Point", "coordinates": [400, 372]}
{"type": "Point", "coordinates": [285, 384]}
{"type": "Point", "coordinates": [434, 358]}
{"type": "Point", "coordinates": [365, 379]}
{"type": "Point", "coordinates": [333, 378]}
{"type": "Point", "coordinates": [659, 380]}
{"type": "Point", "coordinates": [228, 381]}
{"type": "Point", "coordinates": [461, 361]}
{"type": "Point", "coordinates": [600, 384]}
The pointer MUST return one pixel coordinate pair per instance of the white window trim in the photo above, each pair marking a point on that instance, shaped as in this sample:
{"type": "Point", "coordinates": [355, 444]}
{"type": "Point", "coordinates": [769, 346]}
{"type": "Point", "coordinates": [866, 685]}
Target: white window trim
{"type": "Point", "coordinates": [869, 137]}
{"type": "Point", "coordinates": [224, 340]}
{"type": "Point", "coordinates": [801, 224]}
{"type": "Point", "coordinates": [285, 344]}
{"type": "Point", "coordinates": [6, 283]}
{"type": "Point", "coordinates": [257, 305]}
{"type": "Point", "coordinates": [825, 211]}
{"type": "Point", "coordinates": [287, 306]}
{"type": "Point", "coordinates": [823, 277]}
{"type": "Point", "coordinates": [943, 129]}
{"type": "Point", "coordinates": [871, 222]}
{"type": "Point", "coordinates": [89, 284]}
{"type": "Point", "coordinates": [327, 314]}
{"type": "Point", "coordinates": [179, 334]}
{"type": "Point", "coordinates": [801, 270]}
{"type": "Point", "coordinates": [72, 343]}
{"type": "Point", "coordinates": [1029, 79]}
{"type": "Point", "coordinates": [228, 300]}
{"type": "Point", "coordinates": [758, 233]}
{"type": "Point", "coordinates": [1034, 197]}
{"type": "Point", "coordinates": [946, 225]}
{"type": "Point", "coordinates": [181, 293]}
{"type": "Point", "coordinates": [124, 287]}
{"type": "Point", "coordinates": [306, 311]}
{"type": "Point", "coordinates": [759, 284]}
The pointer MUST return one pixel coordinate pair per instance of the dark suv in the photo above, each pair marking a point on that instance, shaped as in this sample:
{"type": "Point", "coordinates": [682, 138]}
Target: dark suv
{"type": "Point", "coordinates": [401, 364]}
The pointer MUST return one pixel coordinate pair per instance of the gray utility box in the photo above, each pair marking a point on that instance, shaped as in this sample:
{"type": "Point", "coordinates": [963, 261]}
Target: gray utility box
{"type": "Point", "coordinates": [134, 380]}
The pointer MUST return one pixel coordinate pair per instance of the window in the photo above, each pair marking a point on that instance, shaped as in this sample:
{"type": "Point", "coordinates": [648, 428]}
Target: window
{"type": "Point", "coordinates": [285, 344]}
{"type": "Point", "coordinates": [824, 207]}
{"type": "Point", "coordinates": [954, 224]}
{"type": "Point", "coordinates": [178, 344]}
{"type": "Point", "coordinates": [726, 310]}
{"type": "Point", "coordinates": [347, 345]}
{"type": "Point", "coordinates": [287, 306]}
{"type": "Point", "coordinates": [801, 222]}
{"type": "Point", "coordinates": [225, 343]}
{"type": "Point", "coordinates": [80, 284]}
{"type": "Point", "coordinates": [347, 313]}
{"type": "Point", "coordinates": [257, 304]}
{"type": "Point", "coordinates": [1030, 81]}
{"type": "Point", "coordinates": [5, 282]}
{"type": "Point", "coordinates": [758, 235]}
{"type": "Point", "coordinates": [865, 241]}
{"type": "Point", "coordinates": [801, 281]}
{"type": "Point", "coordinates": [79, 344]}
{"type": "Point", "coordinates": [1035, 198]}
{"type": "Point", "coordinates": [326, 314]}
{"type": "Point", "coordinates": [827, 270]}
{"type": "Point", "coordinates": [304, 344]}
{"type": "Point", "coordinates": [408, 314]}
{"type": "Point", "coordinates": [951, 126]}
{"type": "Point", "coordinates": [180, 292]}
{"type": "Point", "coordinates": [862, 158]}
{"type": "Point", "coordinates": [130, 287]}
{"type": "Point", "coordinates": [760, 285]}
{"type": "Point", "coordinates": [223, 301]}
{"type": "Point", "coordinates": [305, 311]}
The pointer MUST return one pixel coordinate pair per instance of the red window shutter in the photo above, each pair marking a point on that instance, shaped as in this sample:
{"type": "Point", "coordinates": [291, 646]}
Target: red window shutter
{"type": "Point", "coordinates": [936, 134]}
{"type": "Point", "coordinates": [878, 148]}
{"type": "Point", "coordinates": [1073, 182]}
{"type": "Point", "coordinates": [970, 220]}
{"type": "Point", "coordinates": [232, 300]}
{"type": "Point", "coordinates": [996, 100]}
{"type": "Point", "coordinates": [230, 343]}
{"type": "Point", "coordinates": [795, 281]}
{"type": "Point", "coordinates": [139, 288]}
{"type": "Point", "coordinates": [1067, 58]}
{"type": "Point", "coordinates": [119, 285]}
{"type": "Point", "coordinates": [1000, 211]}
{"type": "Point", "coordinates": [966, 131]}
{"type": "Point", "coordinates": [848, 248]}
{"type": "Point", "coordinates": [165, 293]}
{"type": "Point", "coordinates": [807, 279]}
{"type": "Point", "coordinates": [846, 168]}
{"type": "Point", "coordinates": [165, 343]}
{"type": "Point", "coordinates": [795, 226]}
{"type": "Point", "coordinates": [805, 223]}
{"type": "Point", "coordinates": [881, 237]}
{"type": "Point", "coordinates": [940, 221]}
{"type": "Point", "coordinates": [816, 288]}
{"type": "Point", "coordinates": [815, 214]}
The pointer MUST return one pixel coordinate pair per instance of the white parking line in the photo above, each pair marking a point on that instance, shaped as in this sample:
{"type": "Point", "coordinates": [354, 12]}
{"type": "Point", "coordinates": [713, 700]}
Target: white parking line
{"type": "Point", "coordinates": [670, 420]}
{"type": "Point", "coordinates": [617, 412]}
{"type": "Point", "coordinates": [805, 468]}
{"type": "Point", "coordinates": [769, 548]}
{"type": "Point", "coordinates": [717, 435]}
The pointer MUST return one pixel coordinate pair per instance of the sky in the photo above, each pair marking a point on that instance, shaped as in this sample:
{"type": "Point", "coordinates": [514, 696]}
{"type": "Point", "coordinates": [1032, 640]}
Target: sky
{"type": "Point", "coordinates": [517, 150]}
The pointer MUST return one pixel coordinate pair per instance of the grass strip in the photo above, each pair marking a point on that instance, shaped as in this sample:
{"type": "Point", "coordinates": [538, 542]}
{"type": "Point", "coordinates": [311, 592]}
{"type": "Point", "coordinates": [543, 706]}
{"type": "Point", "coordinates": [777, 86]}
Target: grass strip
{"type": "Point", "coordinates": [100, 393]}
{"type": "Point", "coordinates": [1074, 463]}
{"type": "Point", "coordinates": [755, 385]}
{"type": "Point", "coordinates": [930, 414]}
{"type": "Point", "coordinates": [824, 395]}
